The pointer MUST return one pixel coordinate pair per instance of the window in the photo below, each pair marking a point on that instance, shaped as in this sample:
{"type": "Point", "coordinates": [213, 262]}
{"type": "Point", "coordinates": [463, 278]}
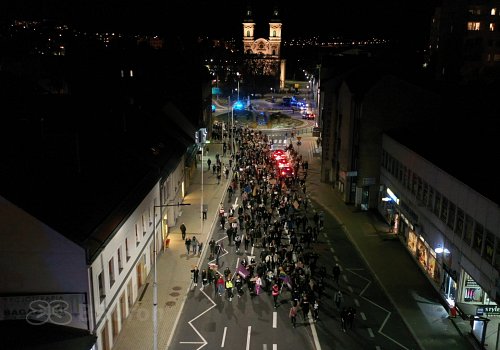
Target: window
{"type": "Point", "coordinates": [127, 252]}
{"type": "Point", "coordinates": [408, 179]}
{"type": "Point", "coordinates": [248, 33]}
{"type": "Point", "coordinates": [473, 25]}
{"type": "Point", "coordinates": [430, 202]}
{"type": "Point", "coordinates": [475, 11]}
{"type": "Point", "coordinates": [137, 237]}
{"type": "Point", "coordinates": [102, 292]}
{"type": "Point", "coordinates": [489, 246]}
{"type": "Point", "coordinates": [469, 225]}
{"type": "Point", "coordinates": [477, 243]}
{"type": "Point", "coordinates": [425, 194]}
{"type": "Point", "coordinates": [496, 261]}
{"type": "Point", "coordinates": [274, 33]}
{"type": "Point", "coordinates": [437, 204]}
{"type": "Point", "coordinates": [493, 27]}
{"type": "Point", "coordinates": [111, 269]}
{"type": "Point", "coordinates": [414, 184]}
{"type": "Point", "coordinates": [451, 215]}
{"type": "Point", "coordinates": [444, 210]}
{"type": "Point", "coordinates": [120, 260]}
{"type": "Point", "coordinates": [419, 187]}
{"type": "Point", "coordinates": [493, 11]}
{"type": "Point", "coordinates": [459, 227]}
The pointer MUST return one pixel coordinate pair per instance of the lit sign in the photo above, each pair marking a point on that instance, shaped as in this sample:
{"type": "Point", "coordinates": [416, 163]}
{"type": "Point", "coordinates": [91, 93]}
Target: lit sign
{"type": "Point", "coordinates": [392, 195]}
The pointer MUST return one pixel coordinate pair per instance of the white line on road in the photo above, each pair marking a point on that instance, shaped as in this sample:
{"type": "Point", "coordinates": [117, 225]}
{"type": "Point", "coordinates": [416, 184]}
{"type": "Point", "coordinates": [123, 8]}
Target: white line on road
{"type": "Point", "coordinates": [350, 289]}
{"type": "Point", "coordinates": [370, 332]}
{"type": "Point", "coordinates": [363, 316]}
{"type": "Point", "coordinates": [356, 301]}
{"type": "Point", "coordinates": [336, 258]}
{"type": "Point", "coordinates": [315, 334]}
{"type": "Point", "coordinates": [275, 319]}
{"type": "Point", "coordinates": [223, 337]}
{"type": "Point", "coordinates": [378, 348]}
{"type": "Point", "coordinates": [248, 337]}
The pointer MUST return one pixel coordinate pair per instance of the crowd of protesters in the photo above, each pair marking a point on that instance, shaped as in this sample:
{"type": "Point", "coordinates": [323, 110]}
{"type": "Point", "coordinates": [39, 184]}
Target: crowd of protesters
{"type": "Point", "coordinates": [273, 217]}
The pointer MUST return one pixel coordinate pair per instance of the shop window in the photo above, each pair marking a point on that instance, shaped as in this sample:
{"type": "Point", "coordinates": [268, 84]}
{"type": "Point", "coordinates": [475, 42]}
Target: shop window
{"type": "Point", "coordinates": [472, 291]}
{"type": "Point", "coordinates": [469, 225]}
{"type": "Point", "coordinates": [422, 253]}
{"type": "Point", "coordinates": [477, 242]}
{"type": "Point", "coordinates": [444, 210]}
{"type": "Point", "coordinates": [451, 215]}
{"type": "Point", "coordinates": [459, 226]}
{"type": "Point", "coordinates": [437, 203]}
{"type": "Point", "coordinates": [489, 247]}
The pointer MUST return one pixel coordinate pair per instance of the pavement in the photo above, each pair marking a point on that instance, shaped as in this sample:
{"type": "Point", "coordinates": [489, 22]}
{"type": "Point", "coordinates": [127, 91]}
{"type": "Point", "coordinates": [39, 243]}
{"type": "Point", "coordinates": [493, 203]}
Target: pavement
{"type": "Point", "coordinates": [407, 287]}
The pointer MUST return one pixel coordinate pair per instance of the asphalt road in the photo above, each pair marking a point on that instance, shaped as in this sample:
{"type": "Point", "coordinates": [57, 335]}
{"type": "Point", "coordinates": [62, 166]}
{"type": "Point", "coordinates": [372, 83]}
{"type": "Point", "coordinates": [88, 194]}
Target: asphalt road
{"type": "Point", "coordinates": [209, 321]}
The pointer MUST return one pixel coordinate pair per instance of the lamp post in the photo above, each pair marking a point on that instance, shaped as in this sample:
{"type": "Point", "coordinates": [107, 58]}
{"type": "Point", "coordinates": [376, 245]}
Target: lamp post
{"type": "Point", "coordinates": [155, 277]}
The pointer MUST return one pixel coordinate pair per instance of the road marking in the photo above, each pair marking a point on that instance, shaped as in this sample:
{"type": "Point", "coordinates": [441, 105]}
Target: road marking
{"type": "Point", "coordinates": [223, 337]}
{"type": "Point", "coordinates": [370, 332]}
{"type": "Point", "coordinates": [275, 319]}
{"type": "Point", "coordinates": [350, 289]}
{"type": "Point", "coordinates": [363, 316]}
{"type": "Point", "coordinates": [315, 334]}
{"type": "Point", "coordinates": [336, 258]}
{"type": "Point", "coordinates": [275, 346]}
{"type": "Point", "coordinates": [248, 337]}
{"type": "Point", "coordinates": [332, 250]}
{"type": "Point", "coordinates": [388, 316]}
{"type": "Point", "coordinates": [356, 301]}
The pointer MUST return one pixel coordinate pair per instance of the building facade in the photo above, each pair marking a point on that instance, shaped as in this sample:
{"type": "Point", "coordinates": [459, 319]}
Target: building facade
{"type": "Point", "coordinates": [448, 228]}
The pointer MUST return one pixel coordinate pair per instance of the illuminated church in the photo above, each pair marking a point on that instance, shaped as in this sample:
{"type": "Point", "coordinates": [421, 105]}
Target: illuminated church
{"type": "Point", "coordinates": [268, 51]}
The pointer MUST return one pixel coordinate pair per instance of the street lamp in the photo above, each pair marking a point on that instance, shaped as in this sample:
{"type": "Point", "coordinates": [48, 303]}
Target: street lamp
{"type": "Point", "coordinates": [232, 123]}
{"type": "Point", "coordinates": [238, 74]}
{"type": "Point", "coordinates": [155, 277]}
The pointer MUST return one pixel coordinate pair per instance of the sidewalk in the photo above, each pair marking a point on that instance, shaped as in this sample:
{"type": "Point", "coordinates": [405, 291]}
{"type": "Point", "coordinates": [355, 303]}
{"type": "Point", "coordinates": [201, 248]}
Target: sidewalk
{"type": "Point", "coordinates": [174, 265]}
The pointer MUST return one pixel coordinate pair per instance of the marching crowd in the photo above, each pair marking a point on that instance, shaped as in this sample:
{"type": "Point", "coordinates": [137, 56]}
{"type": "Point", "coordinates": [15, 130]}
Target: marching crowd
{"type": "Point", "coordinates": [274, 217]}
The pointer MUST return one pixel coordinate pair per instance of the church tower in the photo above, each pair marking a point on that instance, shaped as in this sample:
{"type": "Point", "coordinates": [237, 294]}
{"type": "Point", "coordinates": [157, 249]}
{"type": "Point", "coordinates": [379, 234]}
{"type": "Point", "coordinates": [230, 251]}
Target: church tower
{"type": "Point", "coordinates": [248, 32]}
{"type": "Point", "coordinates": [275, 34]}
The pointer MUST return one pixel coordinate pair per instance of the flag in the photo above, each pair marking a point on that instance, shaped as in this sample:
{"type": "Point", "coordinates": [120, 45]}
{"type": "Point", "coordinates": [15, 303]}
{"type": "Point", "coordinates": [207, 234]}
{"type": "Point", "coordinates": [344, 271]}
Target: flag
{"type": "Point", "coordinates": [286, 280]}
{"type": "Point", "coordinates": [242, 271]}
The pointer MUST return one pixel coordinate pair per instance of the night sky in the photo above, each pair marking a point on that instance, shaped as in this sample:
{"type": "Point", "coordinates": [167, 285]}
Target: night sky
{"type": "Point", "coordinates": [407, 20]}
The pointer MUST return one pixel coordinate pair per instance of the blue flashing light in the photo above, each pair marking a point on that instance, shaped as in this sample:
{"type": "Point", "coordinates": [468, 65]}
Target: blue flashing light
{"type": "Point", "coordinates": [238, 105]}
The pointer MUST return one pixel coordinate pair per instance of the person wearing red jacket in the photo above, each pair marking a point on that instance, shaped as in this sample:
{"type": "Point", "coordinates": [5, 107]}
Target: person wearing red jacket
{"type": "Point", "coordinates": [275, 290]}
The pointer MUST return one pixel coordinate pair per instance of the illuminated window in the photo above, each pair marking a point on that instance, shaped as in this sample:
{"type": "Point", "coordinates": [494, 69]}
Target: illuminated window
{"type": "Point", "coordinates": [492, 27]}
{"type": "Point", "coordinates": [473, 25]}
{"type": "Point", "coordinates": [493, 11]}
{"type": "Point", "coordinates": [475, 11]}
